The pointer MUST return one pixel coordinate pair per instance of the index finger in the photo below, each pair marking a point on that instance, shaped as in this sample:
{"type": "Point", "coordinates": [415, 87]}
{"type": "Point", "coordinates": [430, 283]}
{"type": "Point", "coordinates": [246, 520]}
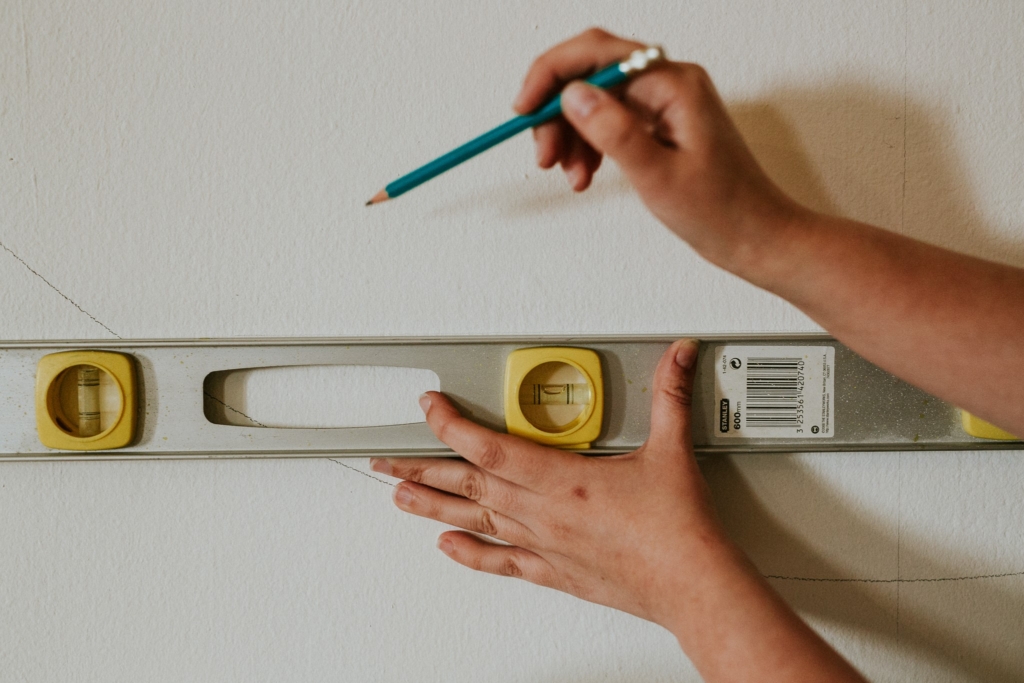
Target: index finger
{"type": "Point", "coordinates": [587, 52]}
{"type": "Point", "coordinates": [514, 459]}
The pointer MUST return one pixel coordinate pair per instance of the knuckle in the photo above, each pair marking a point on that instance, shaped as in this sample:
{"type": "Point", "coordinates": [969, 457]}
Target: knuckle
{"type": "Point", "coordinates": [472, 485]}
{"type": "Point", "coordinates": [596, 33]}
{"type": "Point", "coordinates": [492, 455]}
{"type": "Point", "coordinates": [692, 72]}
{"type": "Point", "coordinates": [694, 79]}
{"type": "Point", "coordinates": [510, 566]}
{"type": "Point", "coordinates": [678, 394]}
{"type": "Point", "coordinates": [486, 524]}
{"type": "Point", "coordinates": [699, 74]}
{"type": "Point", "coordinates": [409, 472]}
{"type": "Point", "coordinates": [681, 73]}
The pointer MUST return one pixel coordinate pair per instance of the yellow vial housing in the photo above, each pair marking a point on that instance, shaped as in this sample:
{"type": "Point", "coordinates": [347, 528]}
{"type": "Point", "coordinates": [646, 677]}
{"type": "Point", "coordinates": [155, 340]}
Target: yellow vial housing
{"type": "Point", "coordinates": [554, 396]}
{"type": "Point", "coordinates": [981, 429]}
{"type": "Point", "coordinates": [69, 391]}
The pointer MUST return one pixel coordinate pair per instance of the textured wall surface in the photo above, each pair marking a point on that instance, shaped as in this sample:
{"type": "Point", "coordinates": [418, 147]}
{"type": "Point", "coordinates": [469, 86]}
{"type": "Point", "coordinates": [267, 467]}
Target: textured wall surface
{"type": "Point", "coordinates": [184, 169]}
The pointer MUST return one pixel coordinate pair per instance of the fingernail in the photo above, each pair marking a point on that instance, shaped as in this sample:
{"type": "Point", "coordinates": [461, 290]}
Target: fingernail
{"type": "Point", "coordinates": [380, 465]}
{"type": "Point", "coordinates": [445, 546]}
{"type": "Point", "coordinates": [686, 354]}
{"type": "Point", "coordinates": [403, 496]}
{"type": "Point", "coordinates": [579, 99]}
{"type": "Point", "coordinates": [573, 176]}
{"type": "Point", "coordinates": [424, 402]}
{"type": "Point", "coordinates": [517, 103]}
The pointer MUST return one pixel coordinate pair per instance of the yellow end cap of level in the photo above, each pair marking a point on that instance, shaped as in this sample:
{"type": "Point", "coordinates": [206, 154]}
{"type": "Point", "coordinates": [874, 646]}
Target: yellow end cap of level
{"type": "Point", "coordinates": [580, 432]}
{"type": "Point", "coordinates": [49, 412]}
{"type": "Point", "coordinates": [981, 429]}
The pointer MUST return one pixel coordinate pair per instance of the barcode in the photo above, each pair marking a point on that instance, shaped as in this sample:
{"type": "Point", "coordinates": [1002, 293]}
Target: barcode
{"type": "Point", "coordinates": [775, 392]}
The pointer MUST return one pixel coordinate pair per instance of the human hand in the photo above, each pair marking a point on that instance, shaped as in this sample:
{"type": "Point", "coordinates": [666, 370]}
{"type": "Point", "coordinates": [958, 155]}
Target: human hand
{"type": "Point", "coordinates": [634, 532]}
{"type": "Point", "coordinates": [669, 132]}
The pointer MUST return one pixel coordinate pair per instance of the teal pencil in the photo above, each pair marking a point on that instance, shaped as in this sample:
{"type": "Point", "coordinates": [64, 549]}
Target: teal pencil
{"type": "Point", "coordinates": [605, 78]}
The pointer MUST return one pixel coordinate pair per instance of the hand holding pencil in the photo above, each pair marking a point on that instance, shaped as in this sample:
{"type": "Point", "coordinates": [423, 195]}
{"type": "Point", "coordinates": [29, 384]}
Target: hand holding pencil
{"type": "Point", "coordinates": [638, 60]}
{"type": "Point", "coordinates": [670, 134]}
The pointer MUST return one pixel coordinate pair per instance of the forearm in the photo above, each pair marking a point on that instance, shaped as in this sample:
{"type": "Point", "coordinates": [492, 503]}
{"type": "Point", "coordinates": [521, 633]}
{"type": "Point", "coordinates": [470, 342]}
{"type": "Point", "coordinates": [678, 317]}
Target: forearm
{"type": "Point", "coordinates": [734, 627]}
{"type": "Point", "coordinates": [950, 324]}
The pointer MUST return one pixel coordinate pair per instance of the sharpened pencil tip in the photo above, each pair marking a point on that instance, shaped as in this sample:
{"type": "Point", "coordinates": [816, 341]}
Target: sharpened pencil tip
{"type": "Point", "coordinates": [381, 196]}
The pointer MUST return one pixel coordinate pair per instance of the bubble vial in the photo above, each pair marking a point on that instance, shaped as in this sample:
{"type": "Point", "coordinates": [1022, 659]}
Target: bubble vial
{"type": "Point", "coordinates": [554, 396]}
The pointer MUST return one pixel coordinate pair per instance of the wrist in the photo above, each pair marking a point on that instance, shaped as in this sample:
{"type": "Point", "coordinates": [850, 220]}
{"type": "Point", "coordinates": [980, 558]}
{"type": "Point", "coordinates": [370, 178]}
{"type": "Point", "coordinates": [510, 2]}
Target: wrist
{"type": "Point", "coordinates": [767, 244]}
{"type": "Point", "coordinates": [726, 602]}
{"type": "Point", "coordinates": [693, 576]}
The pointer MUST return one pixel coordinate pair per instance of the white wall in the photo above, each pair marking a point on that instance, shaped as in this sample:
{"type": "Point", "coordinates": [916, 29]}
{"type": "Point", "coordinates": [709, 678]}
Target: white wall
{"type": "Point", "coordinates": [182, 169]}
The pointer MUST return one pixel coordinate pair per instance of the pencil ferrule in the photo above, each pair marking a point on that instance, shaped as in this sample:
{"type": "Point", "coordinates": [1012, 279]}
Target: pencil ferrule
{"type": "Point", "coordinates": [639, 60]}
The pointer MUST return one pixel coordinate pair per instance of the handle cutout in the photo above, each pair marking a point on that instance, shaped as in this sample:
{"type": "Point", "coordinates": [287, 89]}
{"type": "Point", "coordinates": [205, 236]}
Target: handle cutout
{"type": "Point", "coordinates": [317, 396]}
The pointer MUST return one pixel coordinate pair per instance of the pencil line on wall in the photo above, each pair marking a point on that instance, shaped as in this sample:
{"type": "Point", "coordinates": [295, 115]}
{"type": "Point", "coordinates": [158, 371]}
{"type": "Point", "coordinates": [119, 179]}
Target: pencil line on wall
{"type": "Point", "coordinates": [51, 286]}
{"type": "Point", "coordinates": [903, 230]}
{"type": "Point", "coordinates": [232, 409]}
{"type": "Point", "coordinates": [207, 394]}
{"type": "Point", "coordinates": [903, 190]}
{"type": "Point", "coordinates": [896, 581]}
{"type": "Point", "coordinates": [359, 471]}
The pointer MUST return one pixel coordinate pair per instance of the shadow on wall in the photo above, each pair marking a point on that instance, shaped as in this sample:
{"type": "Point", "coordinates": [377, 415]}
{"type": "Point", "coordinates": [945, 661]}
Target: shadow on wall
{"type": "Point", "coordinates": [927, 623]}
{"type": "Point", "coordinates": [841, 151]}
{"type": "Point", "coordinates": [859, 152]}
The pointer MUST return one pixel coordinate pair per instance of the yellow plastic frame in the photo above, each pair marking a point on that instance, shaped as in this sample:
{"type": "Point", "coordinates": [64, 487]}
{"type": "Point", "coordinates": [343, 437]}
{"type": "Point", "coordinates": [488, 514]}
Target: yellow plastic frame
{"type": "Point", "coordinates": [119, 366]}
{"type": "Point", "coordinates": [981, 429]}
{"type": "Point", "coordinates": [587, 427]}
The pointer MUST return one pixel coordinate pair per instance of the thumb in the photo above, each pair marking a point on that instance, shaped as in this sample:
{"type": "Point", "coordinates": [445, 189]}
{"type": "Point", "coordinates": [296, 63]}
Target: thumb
{"type": "Point", "coordinates": [612, 128]}
{"type": "Point", "coordinates": [673, 397]}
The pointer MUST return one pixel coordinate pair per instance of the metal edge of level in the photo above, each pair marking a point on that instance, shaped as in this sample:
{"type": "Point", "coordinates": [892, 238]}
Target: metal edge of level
{"type": "Point", "coordinates": [354, 341]}
{"type": "Point", "coordinates": [701, 453]}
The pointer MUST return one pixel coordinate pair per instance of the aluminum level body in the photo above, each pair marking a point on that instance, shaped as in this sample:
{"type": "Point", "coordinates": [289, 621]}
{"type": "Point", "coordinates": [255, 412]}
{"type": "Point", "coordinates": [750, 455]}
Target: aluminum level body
{"type": "Point", "coordinates": [873, 409]}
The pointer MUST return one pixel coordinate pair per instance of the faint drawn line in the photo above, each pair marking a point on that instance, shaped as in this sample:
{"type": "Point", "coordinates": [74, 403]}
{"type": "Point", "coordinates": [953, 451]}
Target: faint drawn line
{"type": "Point", "coordinates": [355, 469]}
{"type": "Point", "coordinates": [896, 581]}
{"type": "Point", "coordinates": [255, 421]}
{"type": "Point", "coordinates": [903, 230]}
{"type": "Point", "coordinates": [899, 540]}
{"type": "Point", "coordinates": [51, 286]}
{"type": "Point", "coordinates": [206, 393]}
{"type": "Point", "coordinates": [24, 47]}
{"type": "Point", "coordinates": [234, 410]}
{"type": "Point", "coordinates": [903, 191]}
{"type": "Point", "coordinates": [35, 187]}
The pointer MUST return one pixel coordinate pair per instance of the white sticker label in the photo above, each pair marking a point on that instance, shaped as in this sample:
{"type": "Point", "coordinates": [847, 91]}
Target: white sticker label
{"type": "Point", "coordinates": [775, 392]}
